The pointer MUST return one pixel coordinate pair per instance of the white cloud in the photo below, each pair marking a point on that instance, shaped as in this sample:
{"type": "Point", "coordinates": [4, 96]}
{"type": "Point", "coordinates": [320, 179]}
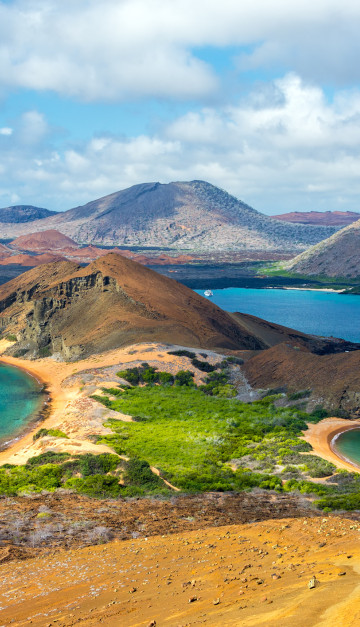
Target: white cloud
{"type": "Point", "coordinates": [116, 50]}
{"type": "Point", "coordinates": [284, 147]}
{"type": "Point", "coordinates": [6, 130]}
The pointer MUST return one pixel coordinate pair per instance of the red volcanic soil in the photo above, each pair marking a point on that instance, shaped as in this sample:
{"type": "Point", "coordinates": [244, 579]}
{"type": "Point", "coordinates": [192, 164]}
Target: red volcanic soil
{"type": "Point", "coordinates": [323, 218]}
{"type": "Point", "coordinates": [31, 260]}
{"type": "Point", "coordinates": [45, 240]}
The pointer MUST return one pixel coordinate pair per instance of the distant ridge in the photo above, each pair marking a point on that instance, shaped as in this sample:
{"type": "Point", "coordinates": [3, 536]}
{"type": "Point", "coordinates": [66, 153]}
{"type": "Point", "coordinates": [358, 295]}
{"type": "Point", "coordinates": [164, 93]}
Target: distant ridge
{"type": "Point", "coordinates": [18, 214]}
{"type": "Point", "coordinates": [324, 218]}
{"type": "Point", "coordinates": [337, 256]}
{"type": "Point", "coordinates": [194, 216]}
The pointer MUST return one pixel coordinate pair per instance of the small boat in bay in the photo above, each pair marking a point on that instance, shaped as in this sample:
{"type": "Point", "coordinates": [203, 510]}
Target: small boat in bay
{"type": "Point", "coordinates": [208, 293]}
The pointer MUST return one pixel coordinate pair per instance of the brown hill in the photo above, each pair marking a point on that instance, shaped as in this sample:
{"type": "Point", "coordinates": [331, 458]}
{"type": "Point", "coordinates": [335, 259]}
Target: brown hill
{"type": "Point", "coordinates": [324, 218]}
{"type": "Point", "coordinates": [31, 260]}
{"type": "Point", "coordinates": [337, 256]}
{"type": "Point", "coordinates": [333, 379]}
{"type": "Point", "coordinates": [183, 215]}
{"type": "Point", "coordinates": [63, 308]}
{"type": "Point", "coordinates": [45, 240]}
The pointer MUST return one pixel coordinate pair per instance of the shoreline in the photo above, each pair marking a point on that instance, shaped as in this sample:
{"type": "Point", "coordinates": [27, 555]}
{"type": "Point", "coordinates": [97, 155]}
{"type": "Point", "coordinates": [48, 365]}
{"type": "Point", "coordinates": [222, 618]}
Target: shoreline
{"type": "Point", "coordinates": [321, 436]}
{"type": "Point", "coordinates": [71, 408]}
{"type": "Point", "coordinates": [36, 417]}
{"type": "Point", "coordinates": [312, 289]}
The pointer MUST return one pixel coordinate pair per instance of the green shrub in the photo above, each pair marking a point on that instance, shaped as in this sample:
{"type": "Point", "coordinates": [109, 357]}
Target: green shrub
{"type": "Point", "coordinates": [182, 353]}
{"type": "Point", "coordinates": [204, 366]}
{"type": "Point", "coordinates": [55, 433]}
{"type": "Point", "coordinates": [11, 337]}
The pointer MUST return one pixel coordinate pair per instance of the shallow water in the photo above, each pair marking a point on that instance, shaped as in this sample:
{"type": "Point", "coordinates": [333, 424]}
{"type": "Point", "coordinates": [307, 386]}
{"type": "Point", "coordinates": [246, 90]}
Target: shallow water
{"type": "Point", "coordinates": [21, 399]}
{"type": "Point", "coordinates": [347, 445]}
{"type": "Point", "coordinates": [319, 313]}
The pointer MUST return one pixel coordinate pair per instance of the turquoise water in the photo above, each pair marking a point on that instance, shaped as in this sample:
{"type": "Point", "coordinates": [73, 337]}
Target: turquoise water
{"type": "Point", "coordinates": [347, 444]}
{"type": "Point", "coordinates": [319, 313]}
{"type": "Point", "coordinates": [21, 398]}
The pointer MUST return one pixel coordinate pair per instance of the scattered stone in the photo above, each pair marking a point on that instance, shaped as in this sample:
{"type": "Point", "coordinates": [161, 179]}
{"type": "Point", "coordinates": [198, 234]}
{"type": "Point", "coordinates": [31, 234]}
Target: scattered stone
{"type": "Point", "coordinates": [216, 601]}
{"type": "Point", "coordinates": [152, 623]}
{"type": "Point", "coordinates": [312, 583]}
{"type": "Point", "coordinates": [342, 573]}
{"type": "Point", "coordinates": [193, 599]}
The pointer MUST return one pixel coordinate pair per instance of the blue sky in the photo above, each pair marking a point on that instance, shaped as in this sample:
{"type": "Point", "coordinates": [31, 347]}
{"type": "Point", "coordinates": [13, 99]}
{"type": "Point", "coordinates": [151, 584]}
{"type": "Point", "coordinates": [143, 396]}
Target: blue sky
{"type": "Point", "coordinates": [261, 99]}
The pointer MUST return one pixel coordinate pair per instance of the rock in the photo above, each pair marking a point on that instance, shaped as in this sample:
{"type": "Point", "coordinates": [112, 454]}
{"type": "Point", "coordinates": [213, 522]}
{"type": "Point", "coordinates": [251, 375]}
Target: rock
{"type": "Point", "coordinates": [216, 601]}
{"type": "Point", "coordinates": [193, 599]}
{"type": "Point", "coordinates": [342, 573]}
{"type": "Point", "coordinates": [152, 623]}
{"type": "Point", "coordinates": [312, 583]}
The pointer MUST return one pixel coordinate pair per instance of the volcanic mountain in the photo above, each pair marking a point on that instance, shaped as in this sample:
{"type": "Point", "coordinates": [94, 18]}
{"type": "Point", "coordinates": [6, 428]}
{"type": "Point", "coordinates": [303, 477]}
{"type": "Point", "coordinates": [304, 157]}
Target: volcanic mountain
{"type": "Point", "coordinates": [324, 218]}
{"type": "Point", "coordinates": [19, 214]}
{"type": "Point", "coordinates": [337, 256]}
{"type": "Point", "coordinates": [73, 311]}
{"type": "Point", "coordinates": [45, 240]}
{"type": "Point", "coordinates": [184, 215]}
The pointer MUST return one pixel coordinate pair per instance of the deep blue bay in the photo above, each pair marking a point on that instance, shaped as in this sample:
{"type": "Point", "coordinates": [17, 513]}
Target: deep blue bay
{"type": "Point", "coordinates": [21, 399]}
{"type": "Point", "coordinates": [319, 313]}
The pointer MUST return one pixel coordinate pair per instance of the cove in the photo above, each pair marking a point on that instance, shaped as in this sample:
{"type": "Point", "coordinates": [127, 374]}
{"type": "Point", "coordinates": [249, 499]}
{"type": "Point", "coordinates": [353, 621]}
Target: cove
{"type": "Point", "coordinates": [21, 400]}
{"type": "Point", "coordinates": [347, 445]}
{"type": "Point", "coordinates": [318, 313]}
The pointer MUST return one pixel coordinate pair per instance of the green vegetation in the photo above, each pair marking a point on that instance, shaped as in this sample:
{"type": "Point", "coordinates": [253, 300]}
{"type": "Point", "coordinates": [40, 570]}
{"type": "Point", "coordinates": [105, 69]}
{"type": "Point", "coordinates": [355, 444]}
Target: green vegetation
{"type": "Point", "coordinates": [55, 433]}
{"type": "Point", "coordinates": [95, 475]}
{"type": "Point", "coordinates": [191, 436]}
{"type": "Point", "coordinates": [199, 438]}
{"type": "Point", "coordinates": [11, 337]}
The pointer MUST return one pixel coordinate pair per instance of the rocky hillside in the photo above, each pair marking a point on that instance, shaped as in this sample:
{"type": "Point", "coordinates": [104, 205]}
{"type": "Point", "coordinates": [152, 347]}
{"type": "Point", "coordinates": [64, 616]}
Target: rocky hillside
{"type": "Point", "coordinates": [193, 215]}
{"type": "Point", "coordinates": [62, 308]}
{"type": "Point", "coordinates": [337, 256]}
{"type": "Point", "coordinates": [323, 218]}
{"type": "Point", "coordinates": [73, 311]}
{"type": "Point", "coordinates": [18, 214]}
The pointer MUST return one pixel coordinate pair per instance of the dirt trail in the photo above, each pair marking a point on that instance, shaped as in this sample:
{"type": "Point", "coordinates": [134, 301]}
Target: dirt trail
{"type": "Point", "coordinates": [253, 575]}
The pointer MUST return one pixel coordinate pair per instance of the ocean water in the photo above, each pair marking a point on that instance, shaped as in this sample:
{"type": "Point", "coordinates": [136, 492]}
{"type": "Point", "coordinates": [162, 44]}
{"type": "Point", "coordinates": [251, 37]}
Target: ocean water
{"type": "Point", "coordinates": [347, 444]}
{"type": "Point", "coordinates": [319, 313]}
{"type": "Point", "coordinates": [21, 398]}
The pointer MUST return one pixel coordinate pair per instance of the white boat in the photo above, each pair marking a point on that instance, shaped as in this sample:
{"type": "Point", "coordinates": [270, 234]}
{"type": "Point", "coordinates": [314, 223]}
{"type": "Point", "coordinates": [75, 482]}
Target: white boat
{"type": "Point", "coordinates": [208, 293]}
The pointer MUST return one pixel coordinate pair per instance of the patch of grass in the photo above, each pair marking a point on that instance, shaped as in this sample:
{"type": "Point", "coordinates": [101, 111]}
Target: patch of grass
{"type": "Point", "coordinates": [11, 337]}
{"type": "Point", "coordinates": [55, 433]}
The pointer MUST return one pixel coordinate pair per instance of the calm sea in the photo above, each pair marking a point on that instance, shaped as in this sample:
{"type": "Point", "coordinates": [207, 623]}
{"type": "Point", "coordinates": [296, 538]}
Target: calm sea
{"type": "Point", "coordinates": [347, 444]}
{"type": "Point", "coordinates": [319, 313]}
{"type": "Point", "coordinates": [21, 397]}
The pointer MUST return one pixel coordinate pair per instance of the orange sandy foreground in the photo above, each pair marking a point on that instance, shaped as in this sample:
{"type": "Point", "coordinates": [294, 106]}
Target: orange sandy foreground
{"type": "Point", "coordinates": [248, 575]}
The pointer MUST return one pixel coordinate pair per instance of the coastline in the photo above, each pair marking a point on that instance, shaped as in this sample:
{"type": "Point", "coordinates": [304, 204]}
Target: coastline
{"type": "Point", "coordinates": [71, 408]}
{"type": "Point", "coordinates": [313, 289]}
{"type": "Point", "coordinates": [321, 437]}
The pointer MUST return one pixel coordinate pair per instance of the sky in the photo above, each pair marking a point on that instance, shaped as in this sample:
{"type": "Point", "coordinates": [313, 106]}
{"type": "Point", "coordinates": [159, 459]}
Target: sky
{"type": "Point", "coordinates": [259, 98]}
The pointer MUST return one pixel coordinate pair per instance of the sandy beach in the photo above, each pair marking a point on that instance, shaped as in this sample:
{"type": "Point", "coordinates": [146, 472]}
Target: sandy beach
{"type": "Point", "coordinates": [70, 384]}
{"type": "Point", "coordinates": [320, 436]}
{"type": "Point", "coordinates": [313, 289]}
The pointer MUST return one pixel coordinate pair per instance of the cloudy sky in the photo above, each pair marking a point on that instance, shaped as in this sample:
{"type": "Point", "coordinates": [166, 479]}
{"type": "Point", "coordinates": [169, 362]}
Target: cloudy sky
{"type": "Point", "coordinates": [260, 98]}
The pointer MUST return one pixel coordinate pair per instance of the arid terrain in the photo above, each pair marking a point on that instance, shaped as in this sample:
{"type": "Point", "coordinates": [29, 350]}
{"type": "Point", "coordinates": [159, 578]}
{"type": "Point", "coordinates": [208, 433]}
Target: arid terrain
{"type": "Point", "coordinates": [337, 256]}
{"type": "Point", "coordinates": [325, 218]}
{"type": "Point", "coordinates": [287, 572]}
